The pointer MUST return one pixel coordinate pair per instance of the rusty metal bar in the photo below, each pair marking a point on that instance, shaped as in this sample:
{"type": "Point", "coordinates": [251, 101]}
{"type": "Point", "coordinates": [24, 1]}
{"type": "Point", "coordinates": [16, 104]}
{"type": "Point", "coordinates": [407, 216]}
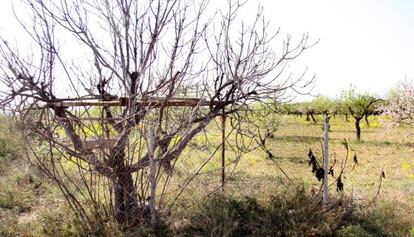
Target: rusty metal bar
{"type": "Point", "coordinates": [154, 103]}
{"type": "Point", "coordinates": [98, 119]}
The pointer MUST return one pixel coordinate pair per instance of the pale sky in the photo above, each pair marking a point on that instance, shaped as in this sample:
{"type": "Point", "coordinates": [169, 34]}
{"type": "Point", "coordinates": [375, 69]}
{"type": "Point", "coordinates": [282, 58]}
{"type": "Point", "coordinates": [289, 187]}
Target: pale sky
{"type": "Point", "coordinates": [366, 43]}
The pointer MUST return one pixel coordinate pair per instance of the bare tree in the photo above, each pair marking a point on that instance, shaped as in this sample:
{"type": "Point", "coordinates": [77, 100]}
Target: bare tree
{"type": "Point", "coordinates": [132, 60]}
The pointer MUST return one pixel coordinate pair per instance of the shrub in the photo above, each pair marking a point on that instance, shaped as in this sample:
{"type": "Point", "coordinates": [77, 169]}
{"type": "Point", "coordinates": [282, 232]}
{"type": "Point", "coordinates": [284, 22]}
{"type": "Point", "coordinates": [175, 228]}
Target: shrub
{"type": "Point", "coordinates": [352, 231]}
{"type": "Point", "coordinates": [288, 214]}
{"type": "Point", "coordinates": [293, 213]}
{"type": "Point", "coordinates": [10, 143]}
{"type": "Point", "coordinates": [9, 201]}
{"type": "Point", "coordinates": [383, 219]}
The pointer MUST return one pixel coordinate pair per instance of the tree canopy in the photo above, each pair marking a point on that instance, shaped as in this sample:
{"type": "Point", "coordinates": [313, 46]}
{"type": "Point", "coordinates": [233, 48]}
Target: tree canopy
{"type": "Point", "coordinates": [359, 104]}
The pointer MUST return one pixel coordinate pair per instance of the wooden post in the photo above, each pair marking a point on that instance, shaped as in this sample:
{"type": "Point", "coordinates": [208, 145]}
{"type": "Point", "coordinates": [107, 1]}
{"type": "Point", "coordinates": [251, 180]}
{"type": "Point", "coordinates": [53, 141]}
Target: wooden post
{"type": "Point", "coordinates": [152, 176]}
{"type": "Point", "coordinates": [223, 150]}
{"type": "Point", "coordinates": [326, 160]}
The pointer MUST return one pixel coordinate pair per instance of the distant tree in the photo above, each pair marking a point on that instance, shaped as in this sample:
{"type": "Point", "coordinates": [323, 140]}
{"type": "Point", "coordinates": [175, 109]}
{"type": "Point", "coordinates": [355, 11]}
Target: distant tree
{"type": "Point", "coordinates": [400, 104]}
{"type": "Point", "coordinates": [342, 108]}
{"type": "Point", "coordinates": [289, 108]}
{"type": "Point", "coordinates": [308, 109]}
{"type": "Point", "coordinates": [319, 105]}
{"type": "Point", "coordinates": [359, 105]}
{"type": "Point", "coordinates": [323, 105]}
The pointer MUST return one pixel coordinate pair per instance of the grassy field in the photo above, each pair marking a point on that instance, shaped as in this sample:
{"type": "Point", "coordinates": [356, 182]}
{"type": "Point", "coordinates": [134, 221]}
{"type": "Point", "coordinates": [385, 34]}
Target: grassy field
{"type": "Point", "coordinates": [390, 150]}
{"type": "Point", "coordinates": [26, 206]}
{"type": "Point", "coordinates": [381, 149]}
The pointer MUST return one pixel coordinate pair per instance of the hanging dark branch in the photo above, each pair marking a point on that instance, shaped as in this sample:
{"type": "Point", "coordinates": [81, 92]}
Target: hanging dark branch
{"type": "Point", "coordinates": [319, 172]}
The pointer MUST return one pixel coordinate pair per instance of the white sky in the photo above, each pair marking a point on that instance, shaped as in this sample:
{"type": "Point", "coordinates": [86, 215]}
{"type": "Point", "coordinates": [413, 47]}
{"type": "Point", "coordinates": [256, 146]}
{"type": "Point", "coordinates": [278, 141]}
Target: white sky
{"type": "Point", "coordinates": [366, 43]}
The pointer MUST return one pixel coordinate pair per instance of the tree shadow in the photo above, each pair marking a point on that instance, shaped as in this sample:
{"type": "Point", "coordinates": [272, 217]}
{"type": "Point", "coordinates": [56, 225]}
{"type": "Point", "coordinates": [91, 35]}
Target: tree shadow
{"type": "Point", "coordinates": [299, 139]}
{"type": "Point", "coordinates": [351, 131]}
{"type": "Point", "coordinates": [293, 159]}
{"type": "Point", "coordinates": [388, 143]}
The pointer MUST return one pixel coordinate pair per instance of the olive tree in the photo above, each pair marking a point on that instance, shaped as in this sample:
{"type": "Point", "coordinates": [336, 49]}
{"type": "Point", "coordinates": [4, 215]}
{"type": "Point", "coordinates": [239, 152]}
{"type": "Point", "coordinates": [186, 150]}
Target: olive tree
{"type": "Point", "coordinates": [324, 105]}
{"type": "Point", "coordinates": [359, 105]}
{"type": "Point", "coordinates": [309, 109]}
{"type": "Point", "coordinates": [144, 54]}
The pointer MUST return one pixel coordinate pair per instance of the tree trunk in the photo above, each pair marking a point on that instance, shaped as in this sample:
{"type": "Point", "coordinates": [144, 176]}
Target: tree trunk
{"type": "Point", "coordinates": [126, 205]}
{"type": "Point", "coordinates": [366, 120]}
{"type": "Point", "coordinates": [313, 118]}
{"type": "Point", "coordinates": [346, 118]}
{"type": "Point", "coordinates": [358, 128]}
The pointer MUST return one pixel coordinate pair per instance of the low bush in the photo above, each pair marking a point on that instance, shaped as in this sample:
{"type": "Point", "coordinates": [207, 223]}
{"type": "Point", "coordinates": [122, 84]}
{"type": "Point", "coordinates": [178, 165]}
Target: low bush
{"type": "Point", "coordinates": [352, 231]}
{"type": "Point", "coordinates": [10, 143]}
{"type": "Point", "coordinates": [292, 213]}
{"type": "Point", "coordinates": [383, 219]}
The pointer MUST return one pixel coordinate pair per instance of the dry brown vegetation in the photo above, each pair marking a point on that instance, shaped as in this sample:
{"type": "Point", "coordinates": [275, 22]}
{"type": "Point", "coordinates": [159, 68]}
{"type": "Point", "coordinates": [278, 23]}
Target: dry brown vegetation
{"type": "Point", "coordinates": [30, 203]}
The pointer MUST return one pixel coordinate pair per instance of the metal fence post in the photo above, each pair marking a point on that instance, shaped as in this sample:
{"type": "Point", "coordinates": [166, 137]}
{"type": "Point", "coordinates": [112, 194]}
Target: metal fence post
{"type": "Point", "coordinates": [326, 160]}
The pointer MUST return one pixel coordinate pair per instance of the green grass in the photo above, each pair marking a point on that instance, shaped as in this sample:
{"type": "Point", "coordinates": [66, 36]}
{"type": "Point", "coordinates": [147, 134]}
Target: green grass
{"type": "Point", "coordinates": [381, 149]}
